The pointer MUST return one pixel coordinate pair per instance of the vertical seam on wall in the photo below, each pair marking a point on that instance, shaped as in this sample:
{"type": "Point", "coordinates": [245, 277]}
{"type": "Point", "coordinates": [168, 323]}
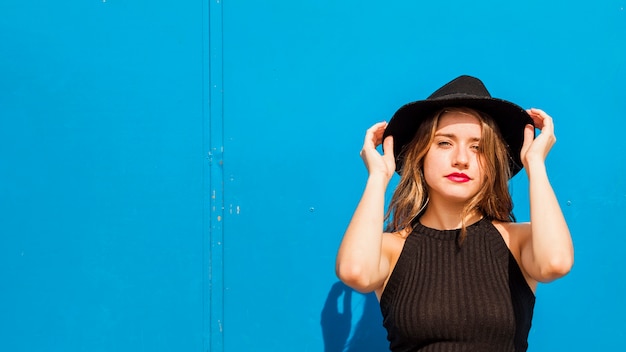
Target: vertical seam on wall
{"type": "Point", "coordinates": [215, 263]}
{"type": "Point", "coordinates": [206, 182]}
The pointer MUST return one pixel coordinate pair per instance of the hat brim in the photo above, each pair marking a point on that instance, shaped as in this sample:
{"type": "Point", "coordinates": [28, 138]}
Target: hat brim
{"type": "Point", "coordinates": [510, 118]}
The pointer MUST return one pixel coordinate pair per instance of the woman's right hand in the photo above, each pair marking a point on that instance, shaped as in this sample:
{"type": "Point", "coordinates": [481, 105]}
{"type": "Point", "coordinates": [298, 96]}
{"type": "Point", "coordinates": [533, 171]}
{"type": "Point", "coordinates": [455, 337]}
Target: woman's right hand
{"type": "Point", "coordinates": [362, 263]}
{"type": "Point", "coordinates": [377, 164]}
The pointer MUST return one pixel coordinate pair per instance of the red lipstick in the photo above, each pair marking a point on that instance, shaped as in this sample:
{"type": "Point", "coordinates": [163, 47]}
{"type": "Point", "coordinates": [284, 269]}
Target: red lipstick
{"type": "Point", "coordinates": [458, 177]}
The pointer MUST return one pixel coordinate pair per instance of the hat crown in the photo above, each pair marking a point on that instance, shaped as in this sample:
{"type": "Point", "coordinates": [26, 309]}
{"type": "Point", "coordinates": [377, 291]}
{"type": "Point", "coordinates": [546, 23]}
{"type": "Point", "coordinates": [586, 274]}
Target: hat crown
{"type": "Point", "coordinates": [466, 91]}
{"type": "Point", "coordinates": [461, 86]}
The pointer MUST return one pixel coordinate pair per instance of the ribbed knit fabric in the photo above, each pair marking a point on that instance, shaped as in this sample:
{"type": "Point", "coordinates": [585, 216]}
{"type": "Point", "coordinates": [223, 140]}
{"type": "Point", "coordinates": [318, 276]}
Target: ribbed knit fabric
{"type": "Point", "coordinates": [443, 296]}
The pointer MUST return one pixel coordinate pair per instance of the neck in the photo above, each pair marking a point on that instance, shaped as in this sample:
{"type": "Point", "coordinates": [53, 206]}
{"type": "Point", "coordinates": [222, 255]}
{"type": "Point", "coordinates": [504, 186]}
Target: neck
{"type": "Point", "coordinates": [447, 217]}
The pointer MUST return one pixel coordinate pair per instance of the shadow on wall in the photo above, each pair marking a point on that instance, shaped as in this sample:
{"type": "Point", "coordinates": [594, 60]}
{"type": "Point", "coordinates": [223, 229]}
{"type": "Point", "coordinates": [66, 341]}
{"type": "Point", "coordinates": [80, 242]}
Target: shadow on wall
{"type": "Point", "coordinates": [351, 321]}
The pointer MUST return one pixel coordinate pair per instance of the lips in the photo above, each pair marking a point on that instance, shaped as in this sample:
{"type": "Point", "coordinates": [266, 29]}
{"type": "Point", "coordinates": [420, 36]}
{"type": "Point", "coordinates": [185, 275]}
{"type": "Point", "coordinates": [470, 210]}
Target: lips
{"type": "Point", "coordinates": [458, 177]}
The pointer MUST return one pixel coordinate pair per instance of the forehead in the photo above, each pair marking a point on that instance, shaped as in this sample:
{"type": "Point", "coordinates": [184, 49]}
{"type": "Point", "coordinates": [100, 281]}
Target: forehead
{"type": "Point", "coordinates": [457, 121]}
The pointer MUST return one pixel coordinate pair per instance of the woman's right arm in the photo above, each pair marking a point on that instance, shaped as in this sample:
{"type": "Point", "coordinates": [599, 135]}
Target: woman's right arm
{"type": "Point", "coordinates": [361, 261]}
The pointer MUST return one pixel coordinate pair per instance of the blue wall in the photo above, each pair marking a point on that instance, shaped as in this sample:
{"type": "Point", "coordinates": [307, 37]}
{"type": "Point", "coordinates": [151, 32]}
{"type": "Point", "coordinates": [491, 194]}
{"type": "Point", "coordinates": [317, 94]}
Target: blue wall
{"type": "Point", "coordinates": [177, 176]}
{"type": "Point", "coordinates": [103, 178]}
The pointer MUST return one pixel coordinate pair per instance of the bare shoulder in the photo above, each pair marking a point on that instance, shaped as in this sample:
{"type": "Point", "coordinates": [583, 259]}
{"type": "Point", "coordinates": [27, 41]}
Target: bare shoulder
{"type": "Point", "coordinates": [514, 234]}
{"type": "Point", "coordinates": [512, 227]}
{"type": "Point", "coordinates": [394, 241]}
{"type": "Point", "coordinates": [392, 245]}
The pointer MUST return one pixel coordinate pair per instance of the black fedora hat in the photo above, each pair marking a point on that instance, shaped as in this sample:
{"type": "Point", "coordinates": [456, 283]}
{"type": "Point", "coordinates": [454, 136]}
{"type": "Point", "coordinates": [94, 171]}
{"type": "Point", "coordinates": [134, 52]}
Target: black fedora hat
{"type": "Point", "coordinates": [463, 91]}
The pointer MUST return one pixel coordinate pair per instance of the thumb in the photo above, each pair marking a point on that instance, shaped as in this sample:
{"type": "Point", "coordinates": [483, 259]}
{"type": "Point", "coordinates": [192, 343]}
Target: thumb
{"type": "Point", "coordinates": [388, 146]}
{"type": "Point", "coordinates": [529, 136]}
{"type": "Point", "coordinates": [388, 154]}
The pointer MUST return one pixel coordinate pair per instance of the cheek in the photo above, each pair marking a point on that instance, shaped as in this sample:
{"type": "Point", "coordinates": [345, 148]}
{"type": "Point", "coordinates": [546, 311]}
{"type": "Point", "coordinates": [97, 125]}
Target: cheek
{"type": "Point", "coordinates": [430, 169]}
{"type": "Point", "coordinates": [428, 177]}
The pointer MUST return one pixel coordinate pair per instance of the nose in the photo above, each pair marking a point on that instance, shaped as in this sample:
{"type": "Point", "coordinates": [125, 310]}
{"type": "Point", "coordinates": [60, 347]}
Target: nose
{"type": "Point", "coordinates": [461, 158]}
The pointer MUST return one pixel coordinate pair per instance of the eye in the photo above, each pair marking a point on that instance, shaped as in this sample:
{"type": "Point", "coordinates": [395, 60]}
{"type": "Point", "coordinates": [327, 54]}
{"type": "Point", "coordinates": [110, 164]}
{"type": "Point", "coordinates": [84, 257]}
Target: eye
{"type": "Point", "coordinates": [444, 143]}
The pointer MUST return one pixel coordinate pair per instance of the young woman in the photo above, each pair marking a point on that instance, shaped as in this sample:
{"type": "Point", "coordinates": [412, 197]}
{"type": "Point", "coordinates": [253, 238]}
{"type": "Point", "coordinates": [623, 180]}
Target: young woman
{"type": "Point", "coordinates": [453, 271]}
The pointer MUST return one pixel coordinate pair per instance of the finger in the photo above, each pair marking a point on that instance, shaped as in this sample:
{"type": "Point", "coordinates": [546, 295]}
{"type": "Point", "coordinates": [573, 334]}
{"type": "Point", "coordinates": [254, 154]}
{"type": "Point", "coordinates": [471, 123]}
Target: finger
{"type": "Point", "coordinates": [539, 117]}
{"type": "Point", "coordinates": [377, 126]}
{"type": "Point", "coordinates": [535, 110]}
{"type": "Point", "coordinates": [370, 136]}
{"type": "Point", "coordinates": [536, 117]}
{"type": "Point", "coordinates": [548, 123]}
{"type": "Point", "coordinates": [529, 135]}
{"type": "Point", "coordinates": [388, 155]}
{"type": "Point", "coordinates": [375, 133]}
{"type": "Point", "coordinates": [388, 146]}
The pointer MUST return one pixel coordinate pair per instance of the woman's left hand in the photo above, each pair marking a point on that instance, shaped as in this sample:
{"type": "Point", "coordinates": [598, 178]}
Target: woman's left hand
{"type": "Point", "coordinates": [537, 149]}
{"type": "Point", "coordinates": [545, 245]}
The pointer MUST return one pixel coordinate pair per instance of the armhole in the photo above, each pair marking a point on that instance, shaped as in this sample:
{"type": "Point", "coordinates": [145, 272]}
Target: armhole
{"type": "Point", "coordinates": [393, 264]}
{"type": "Point", "coordinates": [530, 282]}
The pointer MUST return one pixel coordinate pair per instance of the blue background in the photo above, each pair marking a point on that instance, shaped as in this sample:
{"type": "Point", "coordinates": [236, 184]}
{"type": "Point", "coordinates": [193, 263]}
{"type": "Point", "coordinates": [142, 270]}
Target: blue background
{"type": "Point", "coordinates": [178, 176]}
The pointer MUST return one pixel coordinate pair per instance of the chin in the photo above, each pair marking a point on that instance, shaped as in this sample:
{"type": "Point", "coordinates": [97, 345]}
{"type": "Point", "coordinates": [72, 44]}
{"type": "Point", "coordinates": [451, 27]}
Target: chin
{"type": "Point", "coordinates": [459, 198]}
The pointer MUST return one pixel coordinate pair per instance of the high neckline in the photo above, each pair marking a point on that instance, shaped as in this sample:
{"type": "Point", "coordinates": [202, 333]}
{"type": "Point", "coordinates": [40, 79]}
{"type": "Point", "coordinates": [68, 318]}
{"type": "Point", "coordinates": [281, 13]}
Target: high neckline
{"type": "Point", "coordinates": [447, 235]}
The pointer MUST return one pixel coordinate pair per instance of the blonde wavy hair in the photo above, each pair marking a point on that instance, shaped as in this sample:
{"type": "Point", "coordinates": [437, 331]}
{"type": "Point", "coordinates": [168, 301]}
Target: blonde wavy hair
{"type": "Point", "coordinates": [493, 199]}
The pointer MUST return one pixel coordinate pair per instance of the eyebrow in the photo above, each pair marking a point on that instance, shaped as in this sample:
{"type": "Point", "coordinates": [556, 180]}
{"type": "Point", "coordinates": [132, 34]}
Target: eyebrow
{"type": "Point", "coordinates": [453, 136]}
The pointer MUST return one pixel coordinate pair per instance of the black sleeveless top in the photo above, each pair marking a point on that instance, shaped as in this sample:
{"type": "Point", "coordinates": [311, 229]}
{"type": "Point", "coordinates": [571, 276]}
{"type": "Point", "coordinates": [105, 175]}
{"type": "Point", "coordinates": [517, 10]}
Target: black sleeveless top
{"type": "Point", "coordinates": [443, 296]}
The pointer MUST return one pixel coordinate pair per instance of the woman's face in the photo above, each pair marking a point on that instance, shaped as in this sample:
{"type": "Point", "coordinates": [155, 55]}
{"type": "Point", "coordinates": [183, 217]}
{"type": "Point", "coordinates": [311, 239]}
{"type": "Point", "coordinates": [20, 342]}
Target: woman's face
{"type": "Point", "coordinates": [452, 165]}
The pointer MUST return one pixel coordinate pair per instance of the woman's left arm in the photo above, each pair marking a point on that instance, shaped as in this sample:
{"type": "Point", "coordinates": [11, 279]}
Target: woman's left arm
{"type": "Point", "coordinates": [547, 253]}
